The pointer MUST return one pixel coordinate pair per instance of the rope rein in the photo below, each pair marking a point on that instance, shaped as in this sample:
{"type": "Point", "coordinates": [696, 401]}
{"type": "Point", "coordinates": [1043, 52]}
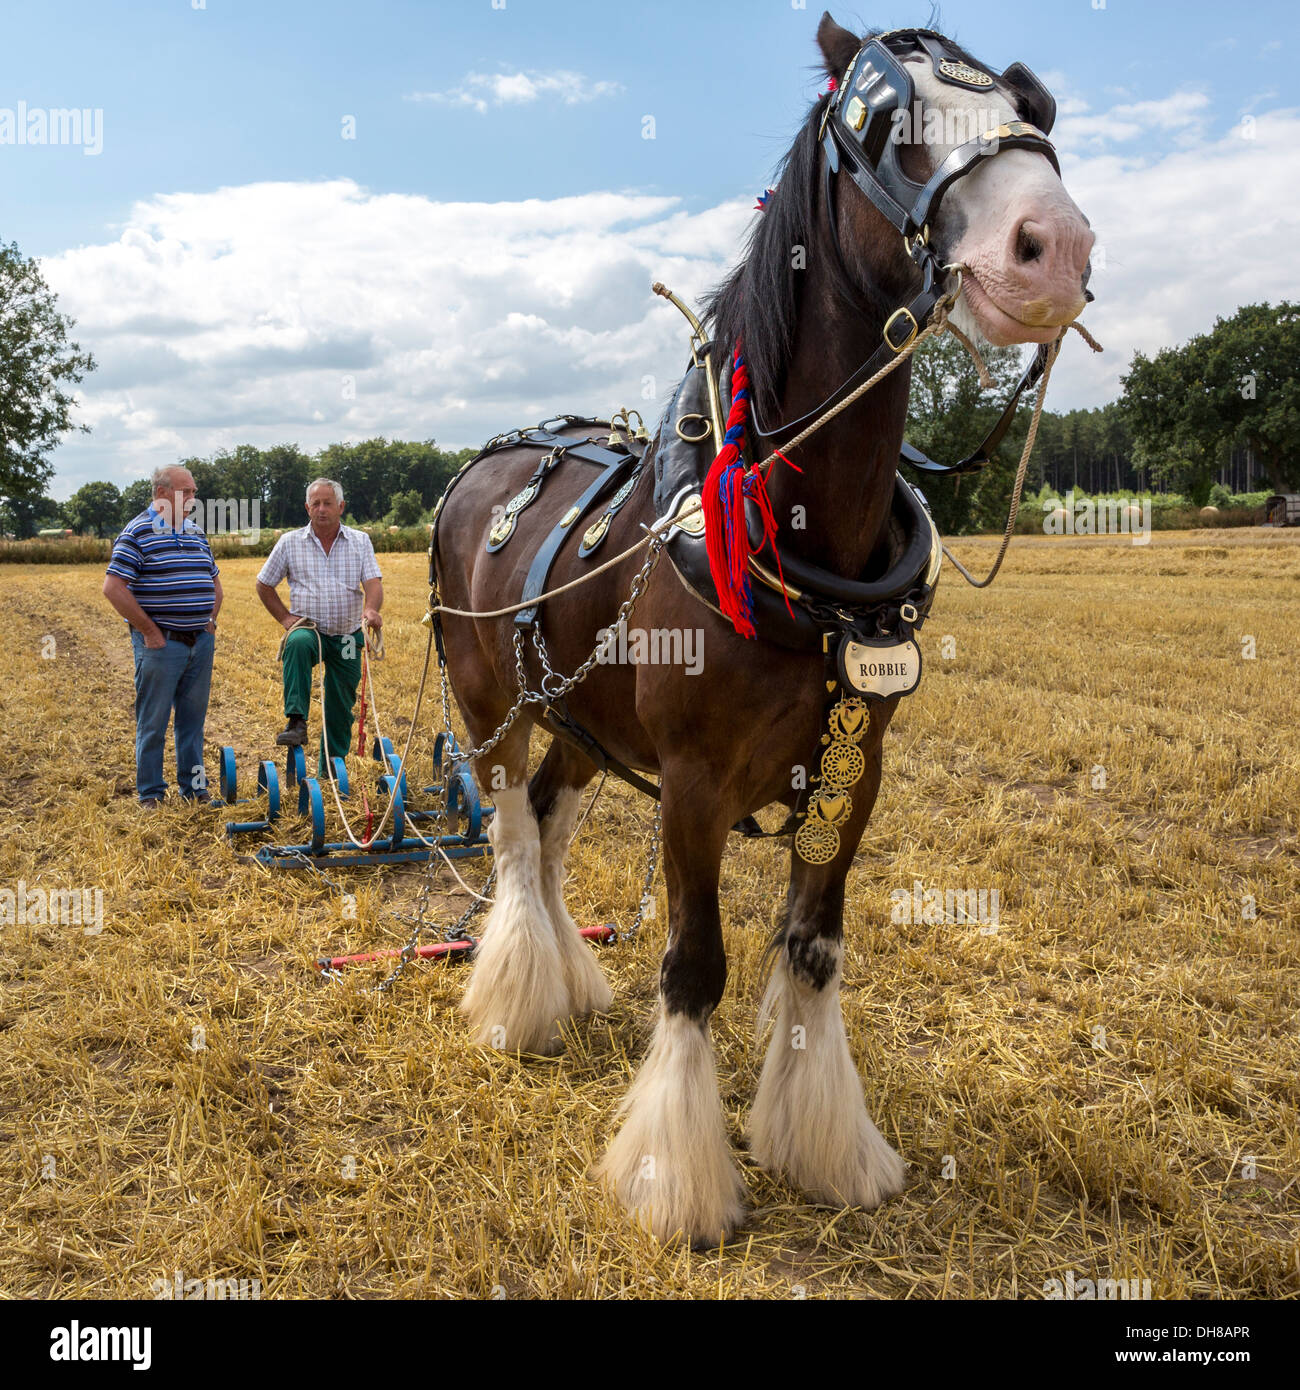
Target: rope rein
{"type": "Point", "coordinates": [1023, 467]}
{"type": "Point", "coordinates": [939, 324]}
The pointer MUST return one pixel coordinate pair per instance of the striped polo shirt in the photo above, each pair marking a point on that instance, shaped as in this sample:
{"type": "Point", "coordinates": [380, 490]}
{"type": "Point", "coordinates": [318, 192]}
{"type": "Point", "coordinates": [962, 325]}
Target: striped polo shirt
{"type": "Point", "coordinates": [170, 574]}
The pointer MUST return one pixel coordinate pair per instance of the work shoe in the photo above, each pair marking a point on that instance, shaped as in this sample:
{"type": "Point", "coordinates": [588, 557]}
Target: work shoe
{"type": "Point", "coordinates": [294, 733]}
{"type": "Point", "coordinates": [151, 803]}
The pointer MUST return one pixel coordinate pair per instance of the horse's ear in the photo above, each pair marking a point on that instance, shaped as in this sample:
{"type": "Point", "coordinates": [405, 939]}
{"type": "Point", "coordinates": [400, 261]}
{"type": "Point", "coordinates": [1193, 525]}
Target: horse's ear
{"type": "Point", "coordinates": [838, 46]}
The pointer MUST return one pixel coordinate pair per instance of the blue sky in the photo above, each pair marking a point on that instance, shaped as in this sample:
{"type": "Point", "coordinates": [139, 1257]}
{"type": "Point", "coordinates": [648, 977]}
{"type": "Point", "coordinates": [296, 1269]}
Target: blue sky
{"type": "Point", "coordinates": [465, 103]}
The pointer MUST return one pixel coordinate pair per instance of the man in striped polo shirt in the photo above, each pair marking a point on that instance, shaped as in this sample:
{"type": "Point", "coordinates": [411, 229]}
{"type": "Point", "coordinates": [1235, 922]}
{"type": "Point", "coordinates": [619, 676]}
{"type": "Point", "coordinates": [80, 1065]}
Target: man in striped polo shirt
{"type": "Point", "coordinates": [163, 580]}
{"type": "Point", "coordinates": [334, 580]}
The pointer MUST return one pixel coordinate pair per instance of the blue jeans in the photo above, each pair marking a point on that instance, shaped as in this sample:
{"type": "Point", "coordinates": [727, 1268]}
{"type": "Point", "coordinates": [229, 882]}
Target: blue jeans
{"type": "Point", "coordinates": [169, 677]}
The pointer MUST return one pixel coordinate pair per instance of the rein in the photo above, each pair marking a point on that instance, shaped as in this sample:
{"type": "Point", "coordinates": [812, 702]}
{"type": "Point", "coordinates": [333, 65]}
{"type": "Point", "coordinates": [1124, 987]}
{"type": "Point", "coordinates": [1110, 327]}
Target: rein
{"type": "Point", "coordinates": [855, 136]}
{"type": "Point", "coordinates": [656, 532]}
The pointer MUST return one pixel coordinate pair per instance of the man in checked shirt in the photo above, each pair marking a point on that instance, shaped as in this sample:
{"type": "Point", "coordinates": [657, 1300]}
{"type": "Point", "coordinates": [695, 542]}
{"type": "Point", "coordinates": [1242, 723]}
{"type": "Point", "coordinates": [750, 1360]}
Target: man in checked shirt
{"type": "Point", "coordinates": [329, 567]}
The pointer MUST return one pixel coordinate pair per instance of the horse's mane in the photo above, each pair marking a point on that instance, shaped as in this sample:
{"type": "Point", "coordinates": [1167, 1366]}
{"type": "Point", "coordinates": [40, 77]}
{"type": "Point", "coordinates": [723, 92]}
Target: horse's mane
{"type": "Point", "coordinates": [757, 304]}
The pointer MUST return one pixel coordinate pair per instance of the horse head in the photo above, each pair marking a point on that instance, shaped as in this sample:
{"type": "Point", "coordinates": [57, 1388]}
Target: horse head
{"type": "Point", "coordinates": [928, 132]}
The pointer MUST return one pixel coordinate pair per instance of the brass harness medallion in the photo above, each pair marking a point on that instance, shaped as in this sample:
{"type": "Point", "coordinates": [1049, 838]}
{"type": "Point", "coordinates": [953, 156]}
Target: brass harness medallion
{"type": "Point", "coordinates": [963, 72]}
{"type": "Point", "coordinates": [817, 841]}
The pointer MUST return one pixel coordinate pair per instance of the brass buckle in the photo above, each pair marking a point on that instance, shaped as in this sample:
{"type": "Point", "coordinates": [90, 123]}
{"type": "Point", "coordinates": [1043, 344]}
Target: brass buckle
{"type": "Point", "coordinates": [913, 244]}
{"type": "Point", "coordinates": [913, 330]}
{"type": "Point", "coordinates": [693, 438]}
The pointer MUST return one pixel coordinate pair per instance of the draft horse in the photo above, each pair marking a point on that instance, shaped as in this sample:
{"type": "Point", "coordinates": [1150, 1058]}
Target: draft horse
{"type": "Point", "coordinates": [915, 136]}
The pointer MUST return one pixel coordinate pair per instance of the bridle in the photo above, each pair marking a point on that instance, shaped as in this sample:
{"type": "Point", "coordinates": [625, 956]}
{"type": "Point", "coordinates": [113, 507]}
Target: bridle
{"type": "Point", "coordinates": [858, 137]}
{"type": "Point", "coordinates": [859, 127]}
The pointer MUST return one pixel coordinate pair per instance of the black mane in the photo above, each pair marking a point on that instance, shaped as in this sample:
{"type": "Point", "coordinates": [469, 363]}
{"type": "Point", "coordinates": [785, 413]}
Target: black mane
{"type": "Point", "coordinates": [758, 302]}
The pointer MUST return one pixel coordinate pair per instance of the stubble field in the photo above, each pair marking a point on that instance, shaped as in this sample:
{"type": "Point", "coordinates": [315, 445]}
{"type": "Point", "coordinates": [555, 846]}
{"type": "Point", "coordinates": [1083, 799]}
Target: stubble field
{"type": "Point", "coordinates": [1105, 1085]}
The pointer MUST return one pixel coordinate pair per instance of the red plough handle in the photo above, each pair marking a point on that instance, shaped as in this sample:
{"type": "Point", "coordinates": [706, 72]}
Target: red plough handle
{"type": "Point", "coordinates": [440, 949]}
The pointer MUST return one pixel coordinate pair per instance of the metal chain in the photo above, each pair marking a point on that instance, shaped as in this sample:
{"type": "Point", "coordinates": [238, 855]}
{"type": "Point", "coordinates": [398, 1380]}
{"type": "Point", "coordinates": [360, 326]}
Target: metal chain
{"type": "Point", "coordinates": [652, 865]}
{"type": "Point", "coordinates": [458, 931]}
{"type": "Point", "coordinates": [554, 687]}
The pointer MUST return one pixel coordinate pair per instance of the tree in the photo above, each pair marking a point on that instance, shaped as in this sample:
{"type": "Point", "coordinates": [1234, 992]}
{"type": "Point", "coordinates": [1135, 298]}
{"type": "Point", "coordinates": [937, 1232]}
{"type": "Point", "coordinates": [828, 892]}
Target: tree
{"type": "Point", "coordinates": [95, 507]}
{"type": "Point", "coordinates": [1173, 416]}
{"type": "Point", "coordinates": [406, 509]}
{"type": "Point", "coordinates": [286, 471]}
{"type": "Point", "coordinates": [1238, 384]}
{"type": "Point", "coordinates": [949, 413]}
{"type": "Point", "coordinates": [1254, 359]}
{"type": "Point", "coordinates": [136, 497]}
{"type": "Point", "coordinates": [22, 517]}
{"type": "Point", "coordinates": [38, 368]}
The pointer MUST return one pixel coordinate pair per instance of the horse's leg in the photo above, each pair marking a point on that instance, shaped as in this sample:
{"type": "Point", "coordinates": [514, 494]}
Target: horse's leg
{"type": "Point", "coordinates": [517, 995]}
{"type": "Point", "coordinates": [670, 1163]}
{"type": "Point", "coordinates": [809, 1120]}
{"type": "Point", "coordinates": [555, 793]}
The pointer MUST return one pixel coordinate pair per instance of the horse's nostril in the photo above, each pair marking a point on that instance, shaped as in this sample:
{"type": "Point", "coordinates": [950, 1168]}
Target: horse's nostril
{"type": "Point", "coordinates": [1028, 247]}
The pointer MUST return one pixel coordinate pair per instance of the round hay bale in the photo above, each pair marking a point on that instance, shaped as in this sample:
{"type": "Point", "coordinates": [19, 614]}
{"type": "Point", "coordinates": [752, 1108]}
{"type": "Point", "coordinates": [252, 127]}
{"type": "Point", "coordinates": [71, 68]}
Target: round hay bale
{"type": "Point", "coordinates": [1209, 513]}
{"type": "Point", "coordinates": [1134, 510]}
{"type": "Point", "coordinates": [392, 529]}
{"type": "Point", "coordinates": [1056, 522]}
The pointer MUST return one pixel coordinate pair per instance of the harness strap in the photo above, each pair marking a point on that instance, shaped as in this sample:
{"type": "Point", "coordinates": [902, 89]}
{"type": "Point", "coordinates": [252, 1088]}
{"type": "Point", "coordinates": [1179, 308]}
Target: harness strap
{"type": "Point", "coordinates": [1012, 135]}
{"type": "Point", "coordinates": [561, 722]}
{"type": "Point", "coordinates": [914, 458]}
{"type": "Point", "coordinates": [751, 830]}
{"type": "Point", "coordinates": [615, 466]}
{"type": "Point", "coordinates": [914, 317]}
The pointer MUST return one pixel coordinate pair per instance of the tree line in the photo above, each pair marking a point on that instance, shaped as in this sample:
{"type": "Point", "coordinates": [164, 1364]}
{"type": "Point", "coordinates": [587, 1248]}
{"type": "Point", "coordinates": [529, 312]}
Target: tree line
{"type": "Point", "coordinates": [392, 481]}
{"type": "Point", "coordinates": [1221, 411]}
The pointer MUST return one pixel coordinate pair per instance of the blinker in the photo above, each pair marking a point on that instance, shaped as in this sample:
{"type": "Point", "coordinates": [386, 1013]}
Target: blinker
{"type": "Point", "coordinates": [878, 85]}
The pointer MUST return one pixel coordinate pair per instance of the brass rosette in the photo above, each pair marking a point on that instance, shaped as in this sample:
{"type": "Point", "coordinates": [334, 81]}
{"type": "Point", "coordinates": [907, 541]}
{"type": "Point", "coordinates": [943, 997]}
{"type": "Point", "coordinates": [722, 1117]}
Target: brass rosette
{"type": "Point", "coordinates": [842, 765]}
{"type": "Point", "coordinates": [816, 842]}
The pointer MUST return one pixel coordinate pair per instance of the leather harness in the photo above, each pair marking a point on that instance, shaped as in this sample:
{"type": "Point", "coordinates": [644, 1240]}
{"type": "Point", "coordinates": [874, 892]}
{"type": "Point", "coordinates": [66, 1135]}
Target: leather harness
{"type": "Point", "coordinates": [863, 626]}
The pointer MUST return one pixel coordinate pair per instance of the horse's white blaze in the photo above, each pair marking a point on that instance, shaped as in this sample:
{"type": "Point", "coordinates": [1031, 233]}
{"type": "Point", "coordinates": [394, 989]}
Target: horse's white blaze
{"type": "Point", "coordinates": [587, 987]}
{"type": "Point", "coordinates": [1006, 301]}
{"type": "Point", "coordinates": [517, 995]}
{"type": "Point", "coordinates": [809, 1120]}
{"type": "Point", "coordinates": [670, 1164]}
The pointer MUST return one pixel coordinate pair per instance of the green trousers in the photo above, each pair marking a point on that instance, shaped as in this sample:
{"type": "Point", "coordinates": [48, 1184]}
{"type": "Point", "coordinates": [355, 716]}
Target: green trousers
{"type": "Point", "coordinates": [342, 675]}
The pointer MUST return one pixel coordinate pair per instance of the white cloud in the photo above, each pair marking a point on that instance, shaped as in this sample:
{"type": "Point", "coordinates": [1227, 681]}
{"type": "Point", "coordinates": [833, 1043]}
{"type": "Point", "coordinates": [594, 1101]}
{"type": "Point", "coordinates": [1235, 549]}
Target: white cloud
{"type": "Point", "coordinates": [235, 315]}
{"type": "Point", "coordinates": [1185, 238]}
{"type": "Point", "coordinates": [1183, 115]}
{"type": "Point", "coordinates": [481, 90]}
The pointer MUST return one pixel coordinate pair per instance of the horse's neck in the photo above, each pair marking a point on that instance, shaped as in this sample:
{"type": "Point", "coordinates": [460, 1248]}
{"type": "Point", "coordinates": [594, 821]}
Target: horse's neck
{"type": "Point", "coordinates": [848, 466]}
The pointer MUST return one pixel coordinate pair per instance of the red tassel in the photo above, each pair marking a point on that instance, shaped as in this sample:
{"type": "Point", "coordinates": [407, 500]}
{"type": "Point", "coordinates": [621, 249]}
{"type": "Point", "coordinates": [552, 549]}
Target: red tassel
{"type": "Point", "coordinates": [763, 502]}
{"type": "Point", "coordinates": [726, 538]}
{"type": "Point", "coordinates": [724, 511]}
